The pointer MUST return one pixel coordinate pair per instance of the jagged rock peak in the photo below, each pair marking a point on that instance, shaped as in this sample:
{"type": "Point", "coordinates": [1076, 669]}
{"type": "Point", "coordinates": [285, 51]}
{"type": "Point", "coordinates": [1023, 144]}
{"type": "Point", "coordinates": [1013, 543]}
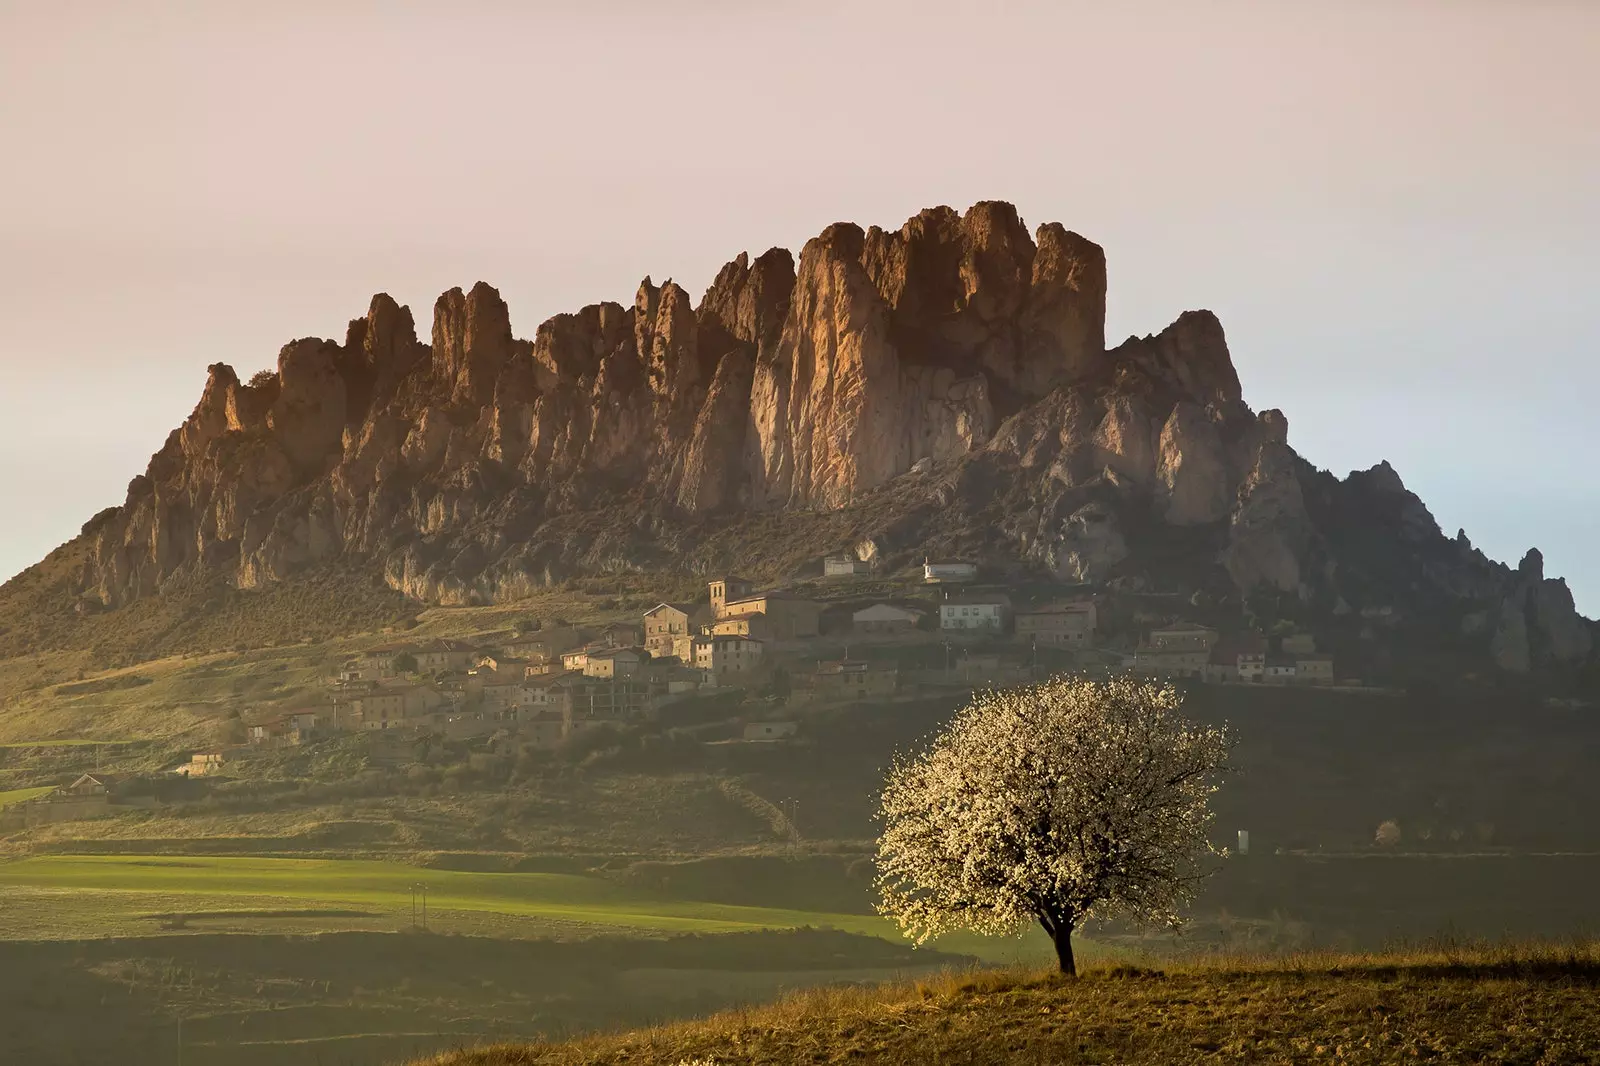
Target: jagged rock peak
{"type": "Point", "coordinates": [747, 302]}
{"type": "Point", "coordinates": [1531, 568]}
{"type": "Point", "coordinates": [955, 366]}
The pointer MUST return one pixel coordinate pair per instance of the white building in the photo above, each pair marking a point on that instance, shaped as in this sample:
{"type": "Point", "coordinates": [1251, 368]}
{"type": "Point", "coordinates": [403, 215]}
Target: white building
{"type": "Point", "coordinates": [988, 613]}
{"type": "Point", "coordinates": [1252, 665]}
{"type": "Point", "coordinates": [949, 571]}
{"type": "Point", "coordinates": [844, 566]}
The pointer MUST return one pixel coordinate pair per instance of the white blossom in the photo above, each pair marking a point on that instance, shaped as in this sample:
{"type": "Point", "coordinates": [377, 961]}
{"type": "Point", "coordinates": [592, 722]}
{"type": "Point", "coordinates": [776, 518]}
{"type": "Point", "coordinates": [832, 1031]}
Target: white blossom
{"type": "Point", "coordinates": [1057, 803]}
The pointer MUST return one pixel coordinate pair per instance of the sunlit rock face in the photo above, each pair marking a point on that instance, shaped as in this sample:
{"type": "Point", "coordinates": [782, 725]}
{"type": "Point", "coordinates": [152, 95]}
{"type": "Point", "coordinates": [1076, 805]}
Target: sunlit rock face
{"type": "Point", "coordinates": [954, 370]}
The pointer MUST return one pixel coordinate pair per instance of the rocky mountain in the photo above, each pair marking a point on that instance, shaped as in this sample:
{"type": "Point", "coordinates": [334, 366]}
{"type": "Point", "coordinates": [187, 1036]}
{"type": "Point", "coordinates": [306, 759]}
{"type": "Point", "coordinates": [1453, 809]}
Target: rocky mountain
{"type": "Point", "coordinates": [943, 386]}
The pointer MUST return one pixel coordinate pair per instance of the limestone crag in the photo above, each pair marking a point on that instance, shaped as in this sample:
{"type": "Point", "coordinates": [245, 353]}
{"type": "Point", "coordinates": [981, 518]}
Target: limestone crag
{"type": "Point", "coordinates": [950, 374]}
{"type": "Point", "coordinates": [1537, 622]}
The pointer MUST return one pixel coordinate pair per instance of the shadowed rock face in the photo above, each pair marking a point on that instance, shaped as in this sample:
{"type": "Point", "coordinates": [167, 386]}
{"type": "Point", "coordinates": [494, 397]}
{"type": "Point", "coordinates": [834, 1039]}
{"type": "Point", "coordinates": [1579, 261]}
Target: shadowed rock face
{"type": "Point", "coordinates": [955, 367]}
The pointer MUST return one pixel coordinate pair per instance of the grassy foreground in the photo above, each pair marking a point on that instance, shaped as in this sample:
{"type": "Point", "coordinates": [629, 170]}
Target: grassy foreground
{"type": "Point", "coordinates": [1485, 1005]}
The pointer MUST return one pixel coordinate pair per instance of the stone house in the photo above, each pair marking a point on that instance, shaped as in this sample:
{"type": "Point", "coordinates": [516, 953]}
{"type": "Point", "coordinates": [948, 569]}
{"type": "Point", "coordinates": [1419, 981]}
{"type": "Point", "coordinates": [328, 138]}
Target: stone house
{"type": "Point", "coordinates": [854, 679]}
{"type": "Point", "coordinates": [885, 618]}
{"type": "Point", "coordinates": [379, 663]}
{"type": "Point", "coordinates": [1058, 625]}
{"type": "Point", "coordinates": [578, 658]}
{"type": "Point", "coordinates": [664, 624]}
{"type": "Point", "coordinates": [394, 706]}
{"type": "Point", "coordinates": [621, 635]}
{"type": "Point", "coordinates": [726, 658]}
{"type": "Point", "coordinates": [614, 662]}
{"type": "Point", "coordinates": [504, 694]}
{"type": "Point", "coordinates": [986, 612]}
{"type": "Point", "coordinates": [784, 617]}
{"type": "Point", "coordinates": [443, 655]}
{"type": "Point", "coordinates": [548, 693]}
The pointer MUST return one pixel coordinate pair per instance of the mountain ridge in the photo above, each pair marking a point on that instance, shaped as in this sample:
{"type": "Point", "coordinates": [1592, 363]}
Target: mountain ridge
{"type": "Point", "coordinates": [946, 385]}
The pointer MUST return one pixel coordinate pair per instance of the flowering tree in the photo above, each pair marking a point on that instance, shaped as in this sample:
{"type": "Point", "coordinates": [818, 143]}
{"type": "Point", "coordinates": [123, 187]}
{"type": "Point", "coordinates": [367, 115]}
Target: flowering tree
{"type": "Point", "coordinates": [1056, 803]}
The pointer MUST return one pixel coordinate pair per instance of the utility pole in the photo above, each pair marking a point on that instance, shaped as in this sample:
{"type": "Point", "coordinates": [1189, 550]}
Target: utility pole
{"type": "Point", "coordinates": [791, 811]}
{"type": "Point", "coordinates": [421, 888]}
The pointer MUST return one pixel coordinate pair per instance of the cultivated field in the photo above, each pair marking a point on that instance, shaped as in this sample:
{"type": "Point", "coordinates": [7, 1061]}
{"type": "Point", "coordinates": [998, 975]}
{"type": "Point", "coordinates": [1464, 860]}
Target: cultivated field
{"type": "Point", "coordinates": [82, 897]}
{"type": "Point", "coordinates": [21, 795]}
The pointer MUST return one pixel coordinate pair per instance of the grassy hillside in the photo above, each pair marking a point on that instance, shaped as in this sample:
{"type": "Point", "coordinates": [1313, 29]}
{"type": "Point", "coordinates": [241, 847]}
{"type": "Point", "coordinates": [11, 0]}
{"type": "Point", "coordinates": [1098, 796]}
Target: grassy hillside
{"type": "Point", "coordinates": [195, 612]}
{"type": "Point", "coordinates": [1443, 1006]}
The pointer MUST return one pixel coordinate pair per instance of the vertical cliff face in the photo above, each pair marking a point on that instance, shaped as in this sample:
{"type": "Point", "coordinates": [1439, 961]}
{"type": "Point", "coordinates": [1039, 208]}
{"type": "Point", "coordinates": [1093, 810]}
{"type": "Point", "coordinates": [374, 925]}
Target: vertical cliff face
{"type": "Point", "coordinates": [909, 345]}
{"type": "Point", "coordinates": [960, 349]}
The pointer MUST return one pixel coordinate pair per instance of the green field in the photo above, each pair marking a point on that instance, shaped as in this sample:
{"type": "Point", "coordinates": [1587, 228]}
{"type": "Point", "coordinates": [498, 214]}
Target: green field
{"type": "Point", "coordinates": [77, 896]}
{"type": "Point", "coordinates": [22, 795]}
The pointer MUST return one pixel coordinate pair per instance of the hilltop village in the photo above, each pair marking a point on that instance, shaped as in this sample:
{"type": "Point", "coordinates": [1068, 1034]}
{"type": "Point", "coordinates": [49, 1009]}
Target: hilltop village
{"type": "Point", "coordinates": [543, 683]}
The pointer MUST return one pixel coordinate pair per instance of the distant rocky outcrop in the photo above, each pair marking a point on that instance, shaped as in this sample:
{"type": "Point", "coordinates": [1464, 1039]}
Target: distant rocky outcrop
{"type": "Point", "coordinates": [1536, 622]}
{"type": "Point", "coordinates": [951, 376]}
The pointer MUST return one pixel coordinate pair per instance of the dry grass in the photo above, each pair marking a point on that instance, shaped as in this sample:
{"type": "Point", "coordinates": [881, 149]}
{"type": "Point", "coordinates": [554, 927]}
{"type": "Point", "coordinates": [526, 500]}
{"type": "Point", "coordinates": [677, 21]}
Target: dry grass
{"type": "Point", "coordinates": [1443, 1004]}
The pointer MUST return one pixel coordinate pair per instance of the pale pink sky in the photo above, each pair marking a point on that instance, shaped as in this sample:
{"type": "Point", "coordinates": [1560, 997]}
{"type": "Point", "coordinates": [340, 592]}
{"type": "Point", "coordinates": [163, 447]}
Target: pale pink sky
{"type": "Point", "coordinates": [1392, 206]}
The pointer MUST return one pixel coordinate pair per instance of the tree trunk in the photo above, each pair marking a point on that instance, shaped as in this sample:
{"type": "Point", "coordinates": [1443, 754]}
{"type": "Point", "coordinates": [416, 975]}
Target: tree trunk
{"type": "Point", "coordinates": [1060, 930]}
{"type": "Point", "coordinates": [1063, 939]}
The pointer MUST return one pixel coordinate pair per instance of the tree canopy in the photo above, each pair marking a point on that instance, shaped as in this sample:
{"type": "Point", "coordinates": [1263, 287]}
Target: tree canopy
{"type": "Point", "coordinates": [1057, 803]}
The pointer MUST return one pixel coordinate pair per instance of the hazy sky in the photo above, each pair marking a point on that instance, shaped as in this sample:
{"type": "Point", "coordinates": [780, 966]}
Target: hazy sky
{"type": "Point", "coordinates": [1394, 207]}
